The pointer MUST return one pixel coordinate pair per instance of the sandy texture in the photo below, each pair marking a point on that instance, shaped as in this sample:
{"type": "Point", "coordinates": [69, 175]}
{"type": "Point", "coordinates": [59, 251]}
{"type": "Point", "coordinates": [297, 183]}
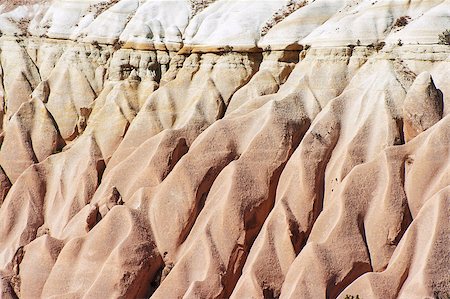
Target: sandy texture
{"type": "Point", "coordinates": [224, 149]}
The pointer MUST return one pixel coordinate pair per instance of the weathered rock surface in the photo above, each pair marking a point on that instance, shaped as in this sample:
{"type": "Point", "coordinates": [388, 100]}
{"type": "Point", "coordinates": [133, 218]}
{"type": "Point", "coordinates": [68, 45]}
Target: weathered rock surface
{"type": "Point", "coordinates": [224, 149]}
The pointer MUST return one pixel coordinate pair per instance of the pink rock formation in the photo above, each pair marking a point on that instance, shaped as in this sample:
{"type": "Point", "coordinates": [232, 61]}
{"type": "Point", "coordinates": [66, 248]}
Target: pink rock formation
{"type": "Point", "coordinates": [224, 149]}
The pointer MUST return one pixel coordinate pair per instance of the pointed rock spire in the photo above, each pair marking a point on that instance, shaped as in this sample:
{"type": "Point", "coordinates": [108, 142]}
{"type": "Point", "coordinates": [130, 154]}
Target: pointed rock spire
{"type": "Point", "coordinates": [134, 76]}
{"type": "Point", "coordinates": [423, 106]}
{"type": "Point", "coordinates": [41, 92]}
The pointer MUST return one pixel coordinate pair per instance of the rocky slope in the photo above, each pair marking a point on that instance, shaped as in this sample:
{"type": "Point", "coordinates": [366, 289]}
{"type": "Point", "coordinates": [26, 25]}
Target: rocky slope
{"type": "Point", "coordinates": [224, 149]}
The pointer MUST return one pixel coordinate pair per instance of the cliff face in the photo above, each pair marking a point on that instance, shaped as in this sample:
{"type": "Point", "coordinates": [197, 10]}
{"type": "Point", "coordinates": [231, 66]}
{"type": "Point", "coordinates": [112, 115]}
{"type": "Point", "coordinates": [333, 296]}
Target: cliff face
{"type": "Point", "coordinates": [224, 149]}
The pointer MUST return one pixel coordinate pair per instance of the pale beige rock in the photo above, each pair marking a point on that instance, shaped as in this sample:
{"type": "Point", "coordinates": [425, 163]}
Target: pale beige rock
{"type": "Point", "coordinates": [224, 149]}
{"type": "Point", "coordinates": [40, 256]}
{"type": "Point", "coordinates": [194, 99]}
{"type": "Point", "coordinates": [30, 137]}
{"type": "Point", "coordinates": [415, 269]}
{"type": "Point", "coordinates": [423, 106]}
{"type": "Point", "coordinates": [20, 76]}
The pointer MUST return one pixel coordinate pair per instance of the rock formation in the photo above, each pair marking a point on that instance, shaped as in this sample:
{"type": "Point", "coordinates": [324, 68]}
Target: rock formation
{"type": "Point", "coordinates": [224, 149]}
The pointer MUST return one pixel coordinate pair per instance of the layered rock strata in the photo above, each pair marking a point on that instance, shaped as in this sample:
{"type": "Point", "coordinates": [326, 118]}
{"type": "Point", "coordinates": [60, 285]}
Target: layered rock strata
{"type": "Point", "coordinates": [224, 149]}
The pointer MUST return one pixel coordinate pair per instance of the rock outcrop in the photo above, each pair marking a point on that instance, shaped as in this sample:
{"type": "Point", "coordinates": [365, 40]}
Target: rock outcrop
{"type": "Point", "coordinates": [224, 149]}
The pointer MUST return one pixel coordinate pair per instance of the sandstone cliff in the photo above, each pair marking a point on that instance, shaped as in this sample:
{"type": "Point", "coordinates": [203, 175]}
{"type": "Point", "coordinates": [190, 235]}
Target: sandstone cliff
{"type": "Point", "coordinates": [224, 149]}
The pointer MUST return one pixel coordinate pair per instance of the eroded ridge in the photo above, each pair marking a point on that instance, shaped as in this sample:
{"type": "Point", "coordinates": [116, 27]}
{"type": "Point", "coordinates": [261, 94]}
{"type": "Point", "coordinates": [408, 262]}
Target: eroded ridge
{"type": "Point", "coordinates": [290, 150]}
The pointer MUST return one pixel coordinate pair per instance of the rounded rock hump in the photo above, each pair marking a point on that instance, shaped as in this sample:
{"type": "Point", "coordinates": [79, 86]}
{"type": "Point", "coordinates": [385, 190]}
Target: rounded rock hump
{"type": "Point", "coordinates": [423, 106]}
